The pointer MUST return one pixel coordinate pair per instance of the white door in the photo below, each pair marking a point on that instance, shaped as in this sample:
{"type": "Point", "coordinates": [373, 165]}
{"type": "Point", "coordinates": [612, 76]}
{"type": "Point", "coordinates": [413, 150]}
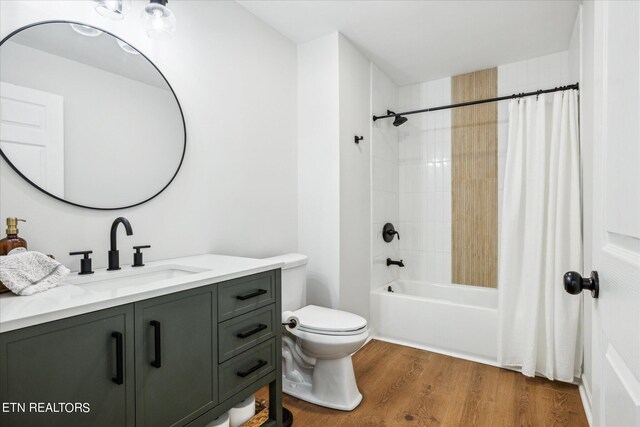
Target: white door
{"type": "Point", "coordinates": [616, 214]}
{"type": "Point", "coordinates": [32, 135]}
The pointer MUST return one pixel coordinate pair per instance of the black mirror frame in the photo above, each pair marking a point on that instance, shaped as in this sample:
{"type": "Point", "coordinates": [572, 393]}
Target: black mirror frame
{"type": "Point", "coordinates": [184, 126]}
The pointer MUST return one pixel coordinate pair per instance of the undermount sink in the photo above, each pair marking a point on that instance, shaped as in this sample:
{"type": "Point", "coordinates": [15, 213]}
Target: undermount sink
{"type": "Point", "coordinates": [129, 276]}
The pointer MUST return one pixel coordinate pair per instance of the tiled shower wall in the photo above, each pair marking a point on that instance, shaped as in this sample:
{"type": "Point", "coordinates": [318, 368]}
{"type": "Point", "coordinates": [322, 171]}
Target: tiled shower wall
{"type": "Point", "coordinates": [425, 183]}
{"type": "Point", "coordinates": [424, 164]}
{"type": "Point", "coordinates": [384, 174]}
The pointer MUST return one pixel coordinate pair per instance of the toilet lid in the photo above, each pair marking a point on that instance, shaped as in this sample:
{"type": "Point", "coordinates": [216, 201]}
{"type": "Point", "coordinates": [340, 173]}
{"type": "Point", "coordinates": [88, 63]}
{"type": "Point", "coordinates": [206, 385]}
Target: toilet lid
{"type": "Point", "coordinates": [320, 319]}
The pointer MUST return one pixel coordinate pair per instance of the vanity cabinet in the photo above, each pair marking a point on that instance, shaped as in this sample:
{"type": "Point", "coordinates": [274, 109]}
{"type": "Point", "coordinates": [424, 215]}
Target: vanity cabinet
{"type": "Point", "coordinates": [176, 360]}
{"type": "Point", "coordinates": [79, 360]}
{"type": "Point", "coordinates": [180, 359]}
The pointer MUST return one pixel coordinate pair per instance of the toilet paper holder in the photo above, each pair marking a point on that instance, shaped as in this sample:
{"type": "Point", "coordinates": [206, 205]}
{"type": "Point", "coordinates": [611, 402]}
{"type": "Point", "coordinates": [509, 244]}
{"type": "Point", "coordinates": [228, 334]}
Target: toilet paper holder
{"type": "Point", "coordinates": [291, 323]}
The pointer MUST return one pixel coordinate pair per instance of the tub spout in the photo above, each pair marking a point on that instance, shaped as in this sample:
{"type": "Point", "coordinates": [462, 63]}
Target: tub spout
{"type": "Point", "coordinates": [392, 262]}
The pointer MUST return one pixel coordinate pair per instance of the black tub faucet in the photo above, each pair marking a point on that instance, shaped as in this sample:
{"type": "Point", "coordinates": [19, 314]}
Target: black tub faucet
{"type": "Point", "coordinates": [392, 262]}
{"type": "Point", "coordinates": [114, 255]}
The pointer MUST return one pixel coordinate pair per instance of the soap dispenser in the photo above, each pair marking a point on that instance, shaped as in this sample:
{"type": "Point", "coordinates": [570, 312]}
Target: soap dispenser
{"type": "Point", "coordinates": [12, 244]}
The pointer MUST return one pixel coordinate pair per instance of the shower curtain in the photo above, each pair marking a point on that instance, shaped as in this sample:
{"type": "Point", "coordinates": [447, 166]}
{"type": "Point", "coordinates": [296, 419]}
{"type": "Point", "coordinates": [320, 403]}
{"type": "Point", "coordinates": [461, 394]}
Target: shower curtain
{"type": "Point", "coordinates": [541, 238]}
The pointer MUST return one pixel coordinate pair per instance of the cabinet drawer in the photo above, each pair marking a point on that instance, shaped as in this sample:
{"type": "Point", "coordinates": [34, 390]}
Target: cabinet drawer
{"type": "Point", "coordinates": [240, 296]}
{"type": "Point", "coordinates": [243, 332]}
{"type": "Point", "coordinates": [239, 372]}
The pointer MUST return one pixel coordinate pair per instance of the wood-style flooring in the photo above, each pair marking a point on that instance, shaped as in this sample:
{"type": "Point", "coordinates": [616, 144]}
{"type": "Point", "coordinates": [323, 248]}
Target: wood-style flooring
{"type": "Point", "coordinates": [407, 387]}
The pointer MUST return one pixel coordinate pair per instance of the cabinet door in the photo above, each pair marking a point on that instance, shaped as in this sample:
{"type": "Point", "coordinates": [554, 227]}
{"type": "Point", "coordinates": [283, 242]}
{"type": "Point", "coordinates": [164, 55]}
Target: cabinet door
{"type": "Point", "coordinates": [52, 373]}
{"type": "Point", "coordinates": [176, 357]}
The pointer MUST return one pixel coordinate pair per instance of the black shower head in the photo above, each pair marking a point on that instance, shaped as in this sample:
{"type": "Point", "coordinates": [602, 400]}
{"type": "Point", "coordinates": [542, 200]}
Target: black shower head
{"type": "Point", "coordinates": [398, 120]}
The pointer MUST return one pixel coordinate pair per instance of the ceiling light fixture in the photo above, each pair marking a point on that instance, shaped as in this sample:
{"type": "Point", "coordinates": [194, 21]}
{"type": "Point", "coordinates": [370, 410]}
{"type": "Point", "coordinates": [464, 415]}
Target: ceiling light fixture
{"type": "Point", "coordinates": [85, 30]}
{"type": "Point", "coordinates": [127, 48]}
{"type": "Point", "coordinates": [113, 9]}
{"type": "Point", "coordinates": [159, 22]}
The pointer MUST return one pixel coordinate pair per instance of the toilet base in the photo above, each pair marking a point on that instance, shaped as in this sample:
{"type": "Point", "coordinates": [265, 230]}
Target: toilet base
{"type": "Point", "coordinates": [333, 385]}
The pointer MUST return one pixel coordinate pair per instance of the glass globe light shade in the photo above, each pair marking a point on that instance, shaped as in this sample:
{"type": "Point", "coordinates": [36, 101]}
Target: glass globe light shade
{"type": "Point", "coordinates": [85, 30]}
{"type": "Point", "coordinates": [126, 47]}
{"type": "Point", "coordinates": [113, 9]}
{"type": "Point", "coordinates": [158, 21]}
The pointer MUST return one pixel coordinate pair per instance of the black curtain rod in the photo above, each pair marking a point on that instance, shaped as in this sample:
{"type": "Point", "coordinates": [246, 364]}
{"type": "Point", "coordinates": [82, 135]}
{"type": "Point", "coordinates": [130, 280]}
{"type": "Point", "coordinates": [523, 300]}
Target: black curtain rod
{"type": "Point", "coordinates": [481, 101]}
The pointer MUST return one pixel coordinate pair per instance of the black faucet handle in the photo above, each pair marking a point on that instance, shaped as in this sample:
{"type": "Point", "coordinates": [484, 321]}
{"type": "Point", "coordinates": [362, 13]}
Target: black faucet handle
{"type": "Point", "coordinates": [137, 256]}
{"type": "Point", "coordinates": [388, 232]}
{"type": "Point", "coordinates": [85, 262]}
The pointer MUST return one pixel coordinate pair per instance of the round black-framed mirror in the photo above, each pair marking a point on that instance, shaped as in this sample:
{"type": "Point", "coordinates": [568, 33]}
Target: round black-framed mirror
{"type": "Point", "coordinates": [87, 118]}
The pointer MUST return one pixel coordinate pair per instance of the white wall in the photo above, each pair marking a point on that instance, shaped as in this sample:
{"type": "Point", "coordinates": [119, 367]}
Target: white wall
{"type": "Point", "coordinates": [110, 123]}
{"type": "Point", "coordinates": [384, 178]}
{"type": "Point", "coordinates": [236, 194]}
{"type": "Point", "coordinates": [355, 179]}
{"type": "Point", "coordinates": [334, 173]}
{"type": "Point", "coordinates": [319, 168]}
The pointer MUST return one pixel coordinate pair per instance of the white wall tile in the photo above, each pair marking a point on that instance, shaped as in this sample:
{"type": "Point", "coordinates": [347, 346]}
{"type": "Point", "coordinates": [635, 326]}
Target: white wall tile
{"type": "Point", "coordinates": [424, 170]}
{"type": "Point", "coordinates": [446, 178]}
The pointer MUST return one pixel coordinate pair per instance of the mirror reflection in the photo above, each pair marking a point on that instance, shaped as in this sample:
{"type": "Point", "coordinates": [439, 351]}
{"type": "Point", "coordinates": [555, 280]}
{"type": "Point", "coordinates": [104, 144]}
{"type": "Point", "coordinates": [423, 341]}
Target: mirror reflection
{"type": "Point", "coordinates": [86, 117]}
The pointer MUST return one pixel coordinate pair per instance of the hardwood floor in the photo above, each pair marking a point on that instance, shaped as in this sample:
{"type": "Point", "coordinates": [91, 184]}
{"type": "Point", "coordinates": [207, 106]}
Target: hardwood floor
{"type": "Point", "coordinates": [407, 387]}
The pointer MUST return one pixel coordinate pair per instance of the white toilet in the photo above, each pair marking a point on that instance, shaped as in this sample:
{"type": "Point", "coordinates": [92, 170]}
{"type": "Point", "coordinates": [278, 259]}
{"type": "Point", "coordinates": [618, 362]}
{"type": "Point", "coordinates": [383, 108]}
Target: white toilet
{"type": "Point", "coordinates": [316, 355]}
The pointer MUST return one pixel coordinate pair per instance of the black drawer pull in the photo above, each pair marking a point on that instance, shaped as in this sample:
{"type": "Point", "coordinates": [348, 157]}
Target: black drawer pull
{"type": "Point", "coordinates": [260, 327]}
{"type": "Point", "coordinates": [119, 378]}
{"type": "Point", "coordinates": [253, 294]}
{"type": "Point", "coordinates": [157, 362]}
{"type": "Point", "coordinates": [251, 370]}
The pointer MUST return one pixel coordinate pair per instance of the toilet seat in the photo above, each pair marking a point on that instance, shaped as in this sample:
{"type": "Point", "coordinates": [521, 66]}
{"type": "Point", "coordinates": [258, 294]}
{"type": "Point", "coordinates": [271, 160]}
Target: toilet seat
{"type": "Point", "coordinates": [327, 321]}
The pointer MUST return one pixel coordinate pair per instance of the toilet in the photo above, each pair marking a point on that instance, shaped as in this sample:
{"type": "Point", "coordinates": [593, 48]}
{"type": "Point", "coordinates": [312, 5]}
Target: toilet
{"type": "Point", "coordinates": [316, 355]}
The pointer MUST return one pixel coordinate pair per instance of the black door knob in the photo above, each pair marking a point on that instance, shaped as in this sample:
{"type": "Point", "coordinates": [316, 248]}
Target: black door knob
{"type": "Point", "coordinates": [574, 283]}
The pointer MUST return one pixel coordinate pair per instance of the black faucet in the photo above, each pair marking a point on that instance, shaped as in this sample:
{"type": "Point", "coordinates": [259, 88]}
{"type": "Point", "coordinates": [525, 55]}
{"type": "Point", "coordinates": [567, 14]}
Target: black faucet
{"type": "Point", "coordinates": [114, 255]}
{"type": "Point", "coordinates": [392, 262]}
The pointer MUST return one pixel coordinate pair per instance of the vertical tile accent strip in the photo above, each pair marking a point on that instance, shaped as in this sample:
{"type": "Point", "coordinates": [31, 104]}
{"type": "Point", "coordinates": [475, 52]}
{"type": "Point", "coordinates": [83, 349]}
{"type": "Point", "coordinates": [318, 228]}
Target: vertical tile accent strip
{"type": "Point", "coordinates": [474, 180]}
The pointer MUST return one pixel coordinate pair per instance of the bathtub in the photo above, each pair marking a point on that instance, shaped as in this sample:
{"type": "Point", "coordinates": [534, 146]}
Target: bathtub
{"type": "Point", "coordinates": [457, 320]}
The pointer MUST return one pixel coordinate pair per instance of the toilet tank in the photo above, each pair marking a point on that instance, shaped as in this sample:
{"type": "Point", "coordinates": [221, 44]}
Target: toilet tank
{"type": "Point", "coordinates": [294, 281]}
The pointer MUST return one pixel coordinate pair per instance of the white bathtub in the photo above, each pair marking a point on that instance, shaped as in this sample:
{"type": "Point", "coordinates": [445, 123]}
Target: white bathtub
{"type": "Point", "coordinates": [458, 320]}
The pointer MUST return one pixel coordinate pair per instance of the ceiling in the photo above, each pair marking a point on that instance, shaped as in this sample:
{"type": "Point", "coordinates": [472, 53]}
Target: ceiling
{"type": "Point", "coordinates": [416, 41]}
{"type": "Point", "coordinates": [99, 52]}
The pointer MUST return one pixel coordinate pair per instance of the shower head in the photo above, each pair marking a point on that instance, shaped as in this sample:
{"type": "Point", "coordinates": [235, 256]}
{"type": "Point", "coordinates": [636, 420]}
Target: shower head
{"type": "Point", "coordinates": [398, 120]}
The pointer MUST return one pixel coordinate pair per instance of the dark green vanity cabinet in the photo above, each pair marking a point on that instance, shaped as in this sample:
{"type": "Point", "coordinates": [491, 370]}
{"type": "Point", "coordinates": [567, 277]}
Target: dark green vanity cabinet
{"type": "Point", "coordinates": [176, 360]}
{"type": "Point", "coordinates": [179, 359]}
{"type": "Point", "coordinates": [82, 359]}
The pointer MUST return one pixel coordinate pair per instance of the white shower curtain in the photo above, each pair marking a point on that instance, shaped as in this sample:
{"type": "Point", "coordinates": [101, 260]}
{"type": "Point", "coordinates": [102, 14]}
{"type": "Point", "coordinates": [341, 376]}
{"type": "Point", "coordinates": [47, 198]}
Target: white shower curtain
{"type": "Point", "coordinates": [541, 238]}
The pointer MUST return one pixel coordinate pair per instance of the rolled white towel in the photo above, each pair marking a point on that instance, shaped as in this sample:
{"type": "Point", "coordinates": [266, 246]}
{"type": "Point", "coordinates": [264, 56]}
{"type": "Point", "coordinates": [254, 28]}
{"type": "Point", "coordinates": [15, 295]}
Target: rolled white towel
{"type": "Point", "coordinates": [242, 412]}
{"type": "Point", "coordinates": [27, 273]}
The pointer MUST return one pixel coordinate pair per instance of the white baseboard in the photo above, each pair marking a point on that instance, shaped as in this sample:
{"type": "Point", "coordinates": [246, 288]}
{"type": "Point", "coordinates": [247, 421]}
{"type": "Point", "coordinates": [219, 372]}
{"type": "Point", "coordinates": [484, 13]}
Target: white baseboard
{"type": "Point", "coordinates": [585, 395]}
{"type": "Point", "coordinates": [459, 355]}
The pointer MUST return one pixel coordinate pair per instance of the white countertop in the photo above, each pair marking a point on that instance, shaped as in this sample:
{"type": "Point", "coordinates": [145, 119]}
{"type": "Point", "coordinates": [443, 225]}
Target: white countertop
{"type": "Point", "coordinates": [74, 297]}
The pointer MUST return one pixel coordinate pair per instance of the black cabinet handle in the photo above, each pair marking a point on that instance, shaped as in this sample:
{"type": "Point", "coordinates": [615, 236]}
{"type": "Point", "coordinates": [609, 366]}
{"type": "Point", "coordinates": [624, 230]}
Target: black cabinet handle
{"type": "Point", "coordinates": [252, 294]}
{"type": "Point", "coordinates": [119, 378]}
{"type": "Point", "coordinates": [251, 370]}
{"type": "Point", "coordinates": [260, 327]}
{"type": "Point", "coordinates": [156, 340]}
